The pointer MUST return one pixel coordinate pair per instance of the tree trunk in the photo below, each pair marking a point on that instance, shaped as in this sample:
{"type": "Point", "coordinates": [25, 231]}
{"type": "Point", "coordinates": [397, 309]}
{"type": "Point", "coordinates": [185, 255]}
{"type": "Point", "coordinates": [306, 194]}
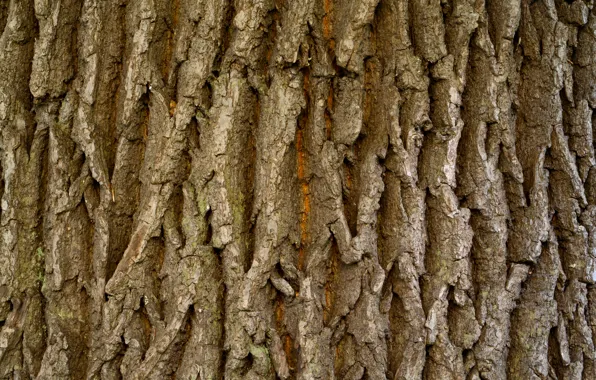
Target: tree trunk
{"type": "Point", "coordinates": [297, 189]}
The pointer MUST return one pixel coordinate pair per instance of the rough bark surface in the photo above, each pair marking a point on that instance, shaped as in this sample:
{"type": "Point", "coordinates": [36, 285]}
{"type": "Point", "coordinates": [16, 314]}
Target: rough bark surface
{"type": "Point", "coordinates": [297, 189]}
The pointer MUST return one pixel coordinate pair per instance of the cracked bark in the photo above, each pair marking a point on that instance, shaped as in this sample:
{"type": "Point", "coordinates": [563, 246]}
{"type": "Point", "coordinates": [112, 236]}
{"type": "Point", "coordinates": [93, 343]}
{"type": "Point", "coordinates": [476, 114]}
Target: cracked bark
{"type": "Point", "coordinates": [305, 189]}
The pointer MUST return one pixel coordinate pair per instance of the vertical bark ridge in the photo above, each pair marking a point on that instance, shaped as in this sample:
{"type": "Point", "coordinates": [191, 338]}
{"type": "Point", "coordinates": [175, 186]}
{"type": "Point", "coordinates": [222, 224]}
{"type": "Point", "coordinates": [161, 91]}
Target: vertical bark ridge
{"type": "Point", "coordinates": [572, 160]}
{"type": "Point", "coordinates": [447, 288]}
{"type": "Point", "coordinates": [54, 65]}
{"type": "Point", "coordinates": [481, 183]}
{"type": "Point", "coordinates": [23, 146]}
{"type": "Point", "coordinates": [402, 227]}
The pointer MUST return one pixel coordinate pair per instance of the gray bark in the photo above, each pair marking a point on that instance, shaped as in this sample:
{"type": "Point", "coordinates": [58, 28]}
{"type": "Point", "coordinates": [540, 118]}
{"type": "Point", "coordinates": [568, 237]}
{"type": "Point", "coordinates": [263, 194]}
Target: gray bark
{"type": "Point", "coordinates": [297, 189]}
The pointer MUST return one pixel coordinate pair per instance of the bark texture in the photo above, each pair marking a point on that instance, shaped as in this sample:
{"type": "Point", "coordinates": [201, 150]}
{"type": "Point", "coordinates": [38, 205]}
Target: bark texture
{"type": "Point", "coordinates": [297, 189]}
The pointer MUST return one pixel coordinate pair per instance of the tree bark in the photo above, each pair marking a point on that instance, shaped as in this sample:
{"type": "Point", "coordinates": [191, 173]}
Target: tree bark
{"type": "Point", "coordinates": [297, 189]}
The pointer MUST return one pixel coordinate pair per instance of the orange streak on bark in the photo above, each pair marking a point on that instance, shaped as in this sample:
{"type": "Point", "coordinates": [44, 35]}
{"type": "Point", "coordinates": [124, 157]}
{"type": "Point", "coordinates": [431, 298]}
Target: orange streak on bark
{"type": "Point", "coordinates": [280, 312]}
{"type": "Point", "coordinates": [302, 178]}
{"type": "Point", "coordinates": [304, 189]}
{"type": "Point", "coordinates": [176, 15]}
{"type": "Point", "coordinates": [328, 299]}
{"type": "Point", "coordinates": [288, 349]}
{"type": "Point", "coordinates": [172, 107]}
{"type": "Point", "coordinates": [327, 28]}
{"type": "Point", "coordinates": [147, 329]}
{"type": "Point", "coordinates": [170, 43]}
{"type": "Point", "coordinates": [268, 56]}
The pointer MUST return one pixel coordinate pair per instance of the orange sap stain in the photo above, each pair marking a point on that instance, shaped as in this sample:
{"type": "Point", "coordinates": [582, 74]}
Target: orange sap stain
{"type": "Point", "coordinates": [327, 27]}
{"type": "Point", "coordinates": [280, 311]}
{"type": "Point", "coordinates": [305, 191]}
{"type": "Point", "coordinates": [328, 301]}
{"type": "Point", "coordinates": [170, 37]}
{"type": "Point", "coordinates": [288, 343]}
{"type": "Point", "coordinates": [172, 107]}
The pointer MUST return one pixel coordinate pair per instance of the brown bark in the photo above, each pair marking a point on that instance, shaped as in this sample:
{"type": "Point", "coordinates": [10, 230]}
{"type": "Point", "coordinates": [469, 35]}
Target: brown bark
{"type": "Point", "coordinates": [297, 189]}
